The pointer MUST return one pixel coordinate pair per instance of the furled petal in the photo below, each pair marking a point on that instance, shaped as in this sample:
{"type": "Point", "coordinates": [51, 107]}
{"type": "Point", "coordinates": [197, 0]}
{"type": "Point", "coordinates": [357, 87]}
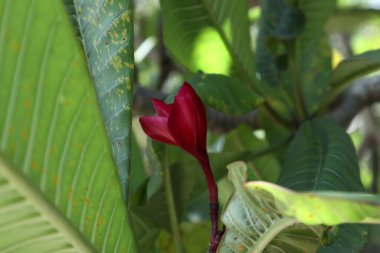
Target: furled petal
{"type": "Point", "coordinates": [201, 122]}
{"type": "Point", "coordinates": [161, 108]}
{"type": "Point", "coordinates": [157, 128]}
{"type": "Point", "coordinates": [187, 122]}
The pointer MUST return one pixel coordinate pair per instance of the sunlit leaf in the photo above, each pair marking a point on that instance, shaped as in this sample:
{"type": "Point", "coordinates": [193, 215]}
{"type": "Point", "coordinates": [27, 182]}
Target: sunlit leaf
{"type": "Point", "coordinates": [209, 35]}
{"type": "Point", "coordinates": [354, 67]}
{"type": "Point", "coordinates": [253, 226]}
{"type": "Point", "coordinates": [320, 207]}
{"type": "Point", "coordinates": [59, 187]}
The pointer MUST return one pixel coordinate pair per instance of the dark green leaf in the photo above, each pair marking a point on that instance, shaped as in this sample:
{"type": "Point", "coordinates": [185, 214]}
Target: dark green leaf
{"type": "Point", "coordinates": [322, 157]}
{"type": "Point", "coordinates": [225, 94]}
{"type": "Point", "coordinates": [106, 29]}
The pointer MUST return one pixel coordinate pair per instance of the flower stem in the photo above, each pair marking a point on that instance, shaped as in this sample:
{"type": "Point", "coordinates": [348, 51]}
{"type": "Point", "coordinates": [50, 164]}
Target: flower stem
{"type": "Point", "coordinates": [171, 206]}
{"type": "Point", "coordinates": [216, 234]}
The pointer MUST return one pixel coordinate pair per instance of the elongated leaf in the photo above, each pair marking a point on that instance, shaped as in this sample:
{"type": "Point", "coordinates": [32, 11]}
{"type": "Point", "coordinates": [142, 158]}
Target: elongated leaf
{"type": "Point", "coordinates": [322, 157]}
{"type": "Point", "coordinates": [254, 226]}
{"type": "Point", "coordinates": [225, 94]}
{"type": "Point", "coordinates": [106, 29]}
{"type": "Point", "coordinates": [59, 188]}
{"type": "Point", "coordinates": [320, 207]}
{"type": "Point", "coordinates": [209, 35]}
{"type": "Point", "coordinates": [354, 67]}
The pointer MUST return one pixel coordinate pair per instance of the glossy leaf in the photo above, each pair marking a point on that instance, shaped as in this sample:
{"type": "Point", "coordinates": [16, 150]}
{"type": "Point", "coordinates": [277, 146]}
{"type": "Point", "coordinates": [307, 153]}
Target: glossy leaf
{"type": "Point", "coordinates": [254, 226]}
{"type": "Point", "coordinates": [320, 207]}
{"type": "Point", "coordinates": [209, 35]}
{"type": "Point", "coordinates": [59, 189]}
{"type": "Point", "coordinates": [225, 94]}
{"type": "Point", "coordinates": [106, 30]}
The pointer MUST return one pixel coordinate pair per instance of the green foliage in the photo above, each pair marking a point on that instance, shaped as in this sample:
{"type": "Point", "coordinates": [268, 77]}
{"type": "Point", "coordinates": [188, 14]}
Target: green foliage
{"type": "Point", "coordinates": [254, 226]}
{"type": "Point", "coordinates": [225, 94]}
{"type": "Point", "coordinates": [106, 30]}
{"type": "Point", "coordinates": [354, 67]}
{"type": "Point", "coordinates": [320, 207]}
{"type": "Point", "coordinates": [65, 180]}
{"type": "Point", "coordinates": [327, 160]}
{"type": "Point", "coordinates": [203, 35]}
{"type": "Point", "coordinates": [58, 181]}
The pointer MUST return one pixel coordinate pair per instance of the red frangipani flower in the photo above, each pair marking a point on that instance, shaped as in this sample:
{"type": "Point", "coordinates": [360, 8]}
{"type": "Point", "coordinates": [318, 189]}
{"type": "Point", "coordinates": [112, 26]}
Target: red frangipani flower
{"type": "Point", "coordinates": [184, 124]}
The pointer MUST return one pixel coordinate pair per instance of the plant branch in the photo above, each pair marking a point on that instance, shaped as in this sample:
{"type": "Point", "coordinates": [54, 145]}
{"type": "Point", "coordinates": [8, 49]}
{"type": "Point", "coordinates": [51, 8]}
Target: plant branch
{"type": "Point", "coordinates": [299, 101]}
{"type": "Point", "coordinates": [363, 93]}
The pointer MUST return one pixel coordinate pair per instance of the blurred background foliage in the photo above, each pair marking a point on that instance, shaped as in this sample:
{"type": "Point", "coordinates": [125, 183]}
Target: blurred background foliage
{"type": "Point", "coordinates": [353, 28]}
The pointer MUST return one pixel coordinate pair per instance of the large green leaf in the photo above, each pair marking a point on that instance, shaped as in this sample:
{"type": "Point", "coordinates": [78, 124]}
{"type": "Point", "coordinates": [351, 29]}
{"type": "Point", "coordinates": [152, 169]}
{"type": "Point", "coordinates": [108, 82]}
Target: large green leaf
{"type": "Point", "coordinates": [225, 94]}
{"type": "Point", "coordinates": [320, 207]}
{"type": "Point", "coordinates": [59, 189]}
{"type": "Point", "coordinates": [106, 29]}
{"type": "Point", "coordinates": [253, 225]}
{"type": "Point", "coordinates": [354, 67]}
{"type": "Point", "coordinates": [322, 157]}
{"type": "Point", "coordinates": [209, 35]}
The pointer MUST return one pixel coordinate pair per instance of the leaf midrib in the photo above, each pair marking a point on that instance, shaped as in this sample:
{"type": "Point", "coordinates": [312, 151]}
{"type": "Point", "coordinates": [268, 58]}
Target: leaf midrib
{"type": "Point", "coordinates": [45, 207]}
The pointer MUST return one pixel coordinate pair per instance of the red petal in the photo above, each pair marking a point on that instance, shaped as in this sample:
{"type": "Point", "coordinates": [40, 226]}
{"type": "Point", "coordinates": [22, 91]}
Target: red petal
{"type": "Point", "coordinates": [201, 122]}
{"type": "Point", "coordinates": [161, 108]}
{"type": "Point", "coordinates": [187, 122]}
{"type": "Point", "coordinates": [157, 128]}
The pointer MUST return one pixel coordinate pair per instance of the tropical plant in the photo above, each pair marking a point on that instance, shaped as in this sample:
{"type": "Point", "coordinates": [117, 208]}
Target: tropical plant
{"type": "Point", "coordinates": [77, 173]}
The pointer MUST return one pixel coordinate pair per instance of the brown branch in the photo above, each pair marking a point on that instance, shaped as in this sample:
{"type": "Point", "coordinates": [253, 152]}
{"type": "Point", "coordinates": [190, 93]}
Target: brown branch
{"type": "Point", "coordinates": [362, 94]}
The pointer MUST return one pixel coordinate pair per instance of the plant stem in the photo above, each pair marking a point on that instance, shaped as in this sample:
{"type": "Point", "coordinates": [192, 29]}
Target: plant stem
{"type": "Point", "coordinates": [171, 206]}
{"type": "Point", "coordinates": [299, 102]}
{"type": "Point", "coordinates": [216, 235]}
{"type": "Point", "coordinates": [277, 117]}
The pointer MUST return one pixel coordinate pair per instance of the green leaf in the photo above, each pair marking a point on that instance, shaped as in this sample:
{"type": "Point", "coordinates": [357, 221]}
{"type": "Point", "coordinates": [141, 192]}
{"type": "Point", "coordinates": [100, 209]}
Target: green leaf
{"type": "Point", "coordinates": [252, 226]}
{"type": "Point", "coordinates": [321, 157]}
{"type": "Point", "coordinates": [209, 35]}
{"type": "Point", "coordinates": [106, 29]}
{"type": "Point", "coordinates": [319, 207]}
{"type": "Point", "coordinates": [354, 67]}
{"type": "Point", "coordinates": [290, 52]}
{"type": "Point", "coordinates": [59, 189]}
{"type": "Point", "coordinates": [225, 94]}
